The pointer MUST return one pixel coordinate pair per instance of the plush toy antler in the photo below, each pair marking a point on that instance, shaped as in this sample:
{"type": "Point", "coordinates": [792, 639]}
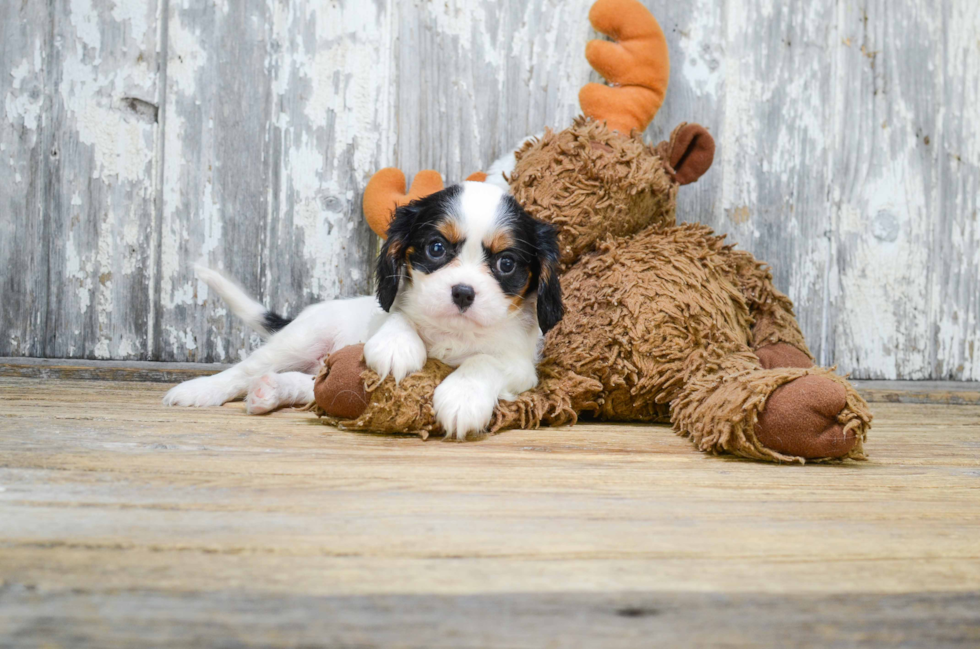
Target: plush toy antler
{"type": "Point", "coordinates": [385, 192]}
{"type": "Point", "coordinates": [637, 66]}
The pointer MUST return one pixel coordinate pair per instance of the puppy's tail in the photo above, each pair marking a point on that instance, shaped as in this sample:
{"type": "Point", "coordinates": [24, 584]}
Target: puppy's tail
{"type": "Point", "coordinates": [256, 316]}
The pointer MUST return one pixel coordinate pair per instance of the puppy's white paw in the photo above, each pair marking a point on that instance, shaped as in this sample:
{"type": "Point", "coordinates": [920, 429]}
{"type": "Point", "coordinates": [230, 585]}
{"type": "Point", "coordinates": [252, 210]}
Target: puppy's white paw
{"type": "Point", "coordinates": [201, 392]}
{"type": "Point", "coordinates": [395, 354]}
{"type": "Point", "coordinates": [463, 406]}
{"type": "Point", "coordinates": [263, 396]}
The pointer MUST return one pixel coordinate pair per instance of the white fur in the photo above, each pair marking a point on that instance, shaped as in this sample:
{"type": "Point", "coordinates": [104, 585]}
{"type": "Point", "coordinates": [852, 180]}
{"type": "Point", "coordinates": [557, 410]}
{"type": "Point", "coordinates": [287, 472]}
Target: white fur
{"type": "Point", "coordinates": [493, 345]}
{"type": "Point", "coordinates": [241, 304]}
{"type": "Point", "coordinates": [465, 400]}
{"type": "Point", "coordinates": [299, 347]}
{"type": "Point", "coordinates": [500, 171]}
{"type": "Point", "coordinates": [272, 391]}
{"type": "Point", "coordinates": [395, 349]}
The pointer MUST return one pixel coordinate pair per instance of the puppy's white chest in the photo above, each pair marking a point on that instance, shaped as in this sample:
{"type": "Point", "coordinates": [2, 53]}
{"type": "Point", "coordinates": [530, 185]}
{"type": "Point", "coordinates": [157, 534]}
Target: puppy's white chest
{"type": "Point", "coordinates": [450, 350]}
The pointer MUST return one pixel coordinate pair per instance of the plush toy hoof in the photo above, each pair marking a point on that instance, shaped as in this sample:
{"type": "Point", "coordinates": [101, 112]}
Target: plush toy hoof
{"type": "Point", "coordinates": [340, 391]}
{"type": "Point", "coordinates": [800, 418]}
{"type": "Point", "coordinates": [782, 355]}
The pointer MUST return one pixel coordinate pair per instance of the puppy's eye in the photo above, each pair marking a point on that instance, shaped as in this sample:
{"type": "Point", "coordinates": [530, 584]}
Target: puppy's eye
{"type": "Point", "coordinates": [436, 250]}
{"type": "Point", "coordinates": [506, 265]}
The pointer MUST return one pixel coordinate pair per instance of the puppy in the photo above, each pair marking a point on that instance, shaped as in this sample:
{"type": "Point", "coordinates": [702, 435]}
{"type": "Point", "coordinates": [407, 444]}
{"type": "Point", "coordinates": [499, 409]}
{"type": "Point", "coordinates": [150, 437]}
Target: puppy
{"type": "Point", "coordinates": [466, 276]}
{"type": "Point", "coordinates": [470, 279]}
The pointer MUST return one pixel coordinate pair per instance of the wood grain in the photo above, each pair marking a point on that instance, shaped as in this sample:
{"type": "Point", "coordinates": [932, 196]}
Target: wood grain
{"type": "Point", "coordinates": [84, 370]}
{"type": "Point", "coordinates": [614, 620]}
{"type": "Point", "coordinates": [926, 392]}
{"type": "Point", "coordinates": [242, 134]}
{"type": "Point", "coordinates": [99, 184]}
{"type": "Point", "coordinates": [24, 139]}
{"type": "Point", "coordinates": [192, 526]}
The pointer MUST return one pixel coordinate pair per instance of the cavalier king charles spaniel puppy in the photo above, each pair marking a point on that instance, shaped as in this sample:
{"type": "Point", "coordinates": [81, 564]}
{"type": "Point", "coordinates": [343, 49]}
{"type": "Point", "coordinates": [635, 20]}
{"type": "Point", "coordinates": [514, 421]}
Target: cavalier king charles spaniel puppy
{"type": "Point", "coordinates": [466, 276]}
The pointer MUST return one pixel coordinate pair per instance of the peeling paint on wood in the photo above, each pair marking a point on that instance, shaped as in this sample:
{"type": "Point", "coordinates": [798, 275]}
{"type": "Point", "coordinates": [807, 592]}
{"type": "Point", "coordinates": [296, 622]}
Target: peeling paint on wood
{"type": "Point", "coordinates": [144, 136]}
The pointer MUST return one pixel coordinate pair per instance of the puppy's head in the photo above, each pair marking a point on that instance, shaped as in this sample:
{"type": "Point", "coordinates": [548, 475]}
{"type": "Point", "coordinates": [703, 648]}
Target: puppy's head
{"type": "Point", "coordinates": [469, 257]}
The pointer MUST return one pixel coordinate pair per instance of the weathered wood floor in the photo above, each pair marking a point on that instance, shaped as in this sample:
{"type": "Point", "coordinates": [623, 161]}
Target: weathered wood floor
{"type": "Point", "coordinates": [123, 523]}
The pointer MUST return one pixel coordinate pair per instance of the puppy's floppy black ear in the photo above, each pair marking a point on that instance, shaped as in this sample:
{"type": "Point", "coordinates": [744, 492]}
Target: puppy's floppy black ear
{"type": "Point", "coordinates": [550, 307]}
{"type": "Point", "coordinates": [391, 259]}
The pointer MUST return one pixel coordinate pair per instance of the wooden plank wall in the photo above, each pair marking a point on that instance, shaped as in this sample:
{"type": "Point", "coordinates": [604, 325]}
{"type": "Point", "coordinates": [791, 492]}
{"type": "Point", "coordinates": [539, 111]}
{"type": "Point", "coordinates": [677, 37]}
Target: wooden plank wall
{"type": "Point", "coordinates": [140, 137]}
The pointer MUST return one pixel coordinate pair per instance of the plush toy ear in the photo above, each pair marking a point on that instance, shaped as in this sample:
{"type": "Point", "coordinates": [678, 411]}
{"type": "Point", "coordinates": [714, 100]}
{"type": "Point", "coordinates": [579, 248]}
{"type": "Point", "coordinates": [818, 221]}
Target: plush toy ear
{"type": "Point", "coordinates": [386, 191]}
{"type": "Point", "coordinates": [391, 259]}
{"type": "Point", "coordinates": [550, 306]}
{"type": "Point", "coordinates": [692, 150]}
{"type": "Point", "coordinates": [477, 177]}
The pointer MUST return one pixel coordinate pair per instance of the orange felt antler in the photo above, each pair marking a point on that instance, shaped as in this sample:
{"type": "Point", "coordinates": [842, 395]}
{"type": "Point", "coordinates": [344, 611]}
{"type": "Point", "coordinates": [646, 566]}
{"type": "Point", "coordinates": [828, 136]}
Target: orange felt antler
{"type": "Point", "coordinates": [637, 66]}
{"type": "Point", "coordinates": [385, 192]}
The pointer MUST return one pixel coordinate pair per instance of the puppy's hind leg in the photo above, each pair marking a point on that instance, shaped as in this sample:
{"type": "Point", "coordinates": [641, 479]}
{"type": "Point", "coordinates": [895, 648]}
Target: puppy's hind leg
{"type": "Point", "coordinates": [235, 382]}
{"type": "Point", "coordinates": [272, 391]}
{"type": "Point", "coordinates": [208, 391]}
{"type": "Point", "coordinates": [299, 347]}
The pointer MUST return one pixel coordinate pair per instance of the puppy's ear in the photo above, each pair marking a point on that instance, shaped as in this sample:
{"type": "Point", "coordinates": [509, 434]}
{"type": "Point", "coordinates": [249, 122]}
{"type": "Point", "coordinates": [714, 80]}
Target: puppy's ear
{"type": "Point", "coordinates": [391, 259]}
{"type": "Point", "coordinates": [550, 307]}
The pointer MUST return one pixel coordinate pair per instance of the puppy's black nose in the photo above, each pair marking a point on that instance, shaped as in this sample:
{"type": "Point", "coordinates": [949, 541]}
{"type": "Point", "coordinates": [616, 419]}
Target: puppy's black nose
{"type": "Point", "coordinates": [463, 296]}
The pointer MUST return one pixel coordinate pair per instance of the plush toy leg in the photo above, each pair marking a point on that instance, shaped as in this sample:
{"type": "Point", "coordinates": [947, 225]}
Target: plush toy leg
{"type": "Point", "coordinates": [776, 336]}
{"type": "Point", "coordinates": [338, 390]}
{"type": "Point", "coordinates": [350, 395]}
{"type": "Point", "coordinates": [782, 355]}
{"type": "Point", "coordinates": [780, 415]}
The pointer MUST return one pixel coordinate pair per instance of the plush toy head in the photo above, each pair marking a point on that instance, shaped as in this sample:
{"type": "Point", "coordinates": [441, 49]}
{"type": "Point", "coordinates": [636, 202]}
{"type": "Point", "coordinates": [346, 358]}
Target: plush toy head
{"type": "Point", "coordinates": [593, 183]}
{"type": "Point", "coordinates": [597, 178]}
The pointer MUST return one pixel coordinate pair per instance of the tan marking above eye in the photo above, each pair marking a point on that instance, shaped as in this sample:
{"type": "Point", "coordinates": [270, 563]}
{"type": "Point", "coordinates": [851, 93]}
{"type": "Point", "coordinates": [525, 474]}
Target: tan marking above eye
{"type": "Point", "coordinates": [517, 301]}
{"type": "Point", "coordinates": [449, 228]}
{"type": "Point", "coordinates": [499, 241]}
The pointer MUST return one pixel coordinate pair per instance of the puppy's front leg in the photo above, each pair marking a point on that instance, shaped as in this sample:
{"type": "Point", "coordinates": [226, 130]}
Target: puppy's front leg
{"type": "Point", "coordinates": [395, 349]}
{"type": "Point", "coordinates": [465, 400]}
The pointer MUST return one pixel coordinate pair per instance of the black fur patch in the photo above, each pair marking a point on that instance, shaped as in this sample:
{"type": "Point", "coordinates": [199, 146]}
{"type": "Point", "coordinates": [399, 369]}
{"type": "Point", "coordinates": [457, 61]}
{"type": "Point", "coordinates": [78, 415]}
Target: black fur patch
{"type": "Point", "coordinates": [551, 309]}
{"type": "Point", "coordinates": [413, 227]}
{"type": "Point", "coordinates": [524, 251]}
{"type": "Point", "coordinates": [273, 322]}
{"type": "Point", "coordinates": [534, 249]}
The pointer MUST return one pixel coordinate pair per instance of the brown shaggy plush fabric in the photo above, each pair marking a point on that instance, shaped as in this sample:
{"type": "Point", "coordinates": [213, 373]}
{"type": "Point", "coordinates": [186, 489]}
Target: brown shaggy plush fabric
{"type": "Point", "coordinates": [403, 408]}
{"type": "Point", "coordinates": [592, 184]}
{"type": "Point", "coordinates": [662, 320]}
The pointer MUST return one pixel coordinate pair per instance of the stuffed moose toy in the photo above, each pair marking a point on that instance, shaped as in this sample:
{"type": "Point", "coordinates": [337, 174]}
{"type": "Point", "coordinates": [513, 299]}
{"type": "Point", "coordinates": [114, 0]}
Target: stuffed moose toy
{"type": "Point", "coordinates": [663, 322]}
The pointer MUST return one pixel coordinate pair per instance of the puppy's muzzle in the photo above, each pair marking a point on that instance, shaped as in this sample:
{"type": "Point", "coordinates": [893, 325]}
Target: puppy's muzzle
{"type": "Point", "coordinates": [463, 296]}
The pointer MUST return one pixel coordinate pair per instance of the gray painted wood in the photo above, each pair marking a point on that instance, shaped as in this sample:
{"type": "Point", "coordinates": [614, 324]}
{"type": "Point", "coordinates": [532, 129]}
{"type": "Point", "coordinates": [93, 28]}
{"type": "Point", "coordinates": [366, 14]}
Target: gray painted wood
{"type": "Point", "coordinates": [849, 156]}
{"type": "Point", "coordinates": [273, 126]}
{"type": "Point", "coordinates": [216, 170]}
{"type": "Point", "coordinates": [99, 182]}
{"type": "Point", "coordinates": [24, 92]}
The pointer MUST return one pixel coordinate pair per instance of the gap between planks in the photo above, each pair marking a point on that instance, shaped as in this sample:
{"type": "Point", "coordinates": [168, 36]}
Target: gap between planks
{"type": "Point", "coordinates": [937, 392]}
